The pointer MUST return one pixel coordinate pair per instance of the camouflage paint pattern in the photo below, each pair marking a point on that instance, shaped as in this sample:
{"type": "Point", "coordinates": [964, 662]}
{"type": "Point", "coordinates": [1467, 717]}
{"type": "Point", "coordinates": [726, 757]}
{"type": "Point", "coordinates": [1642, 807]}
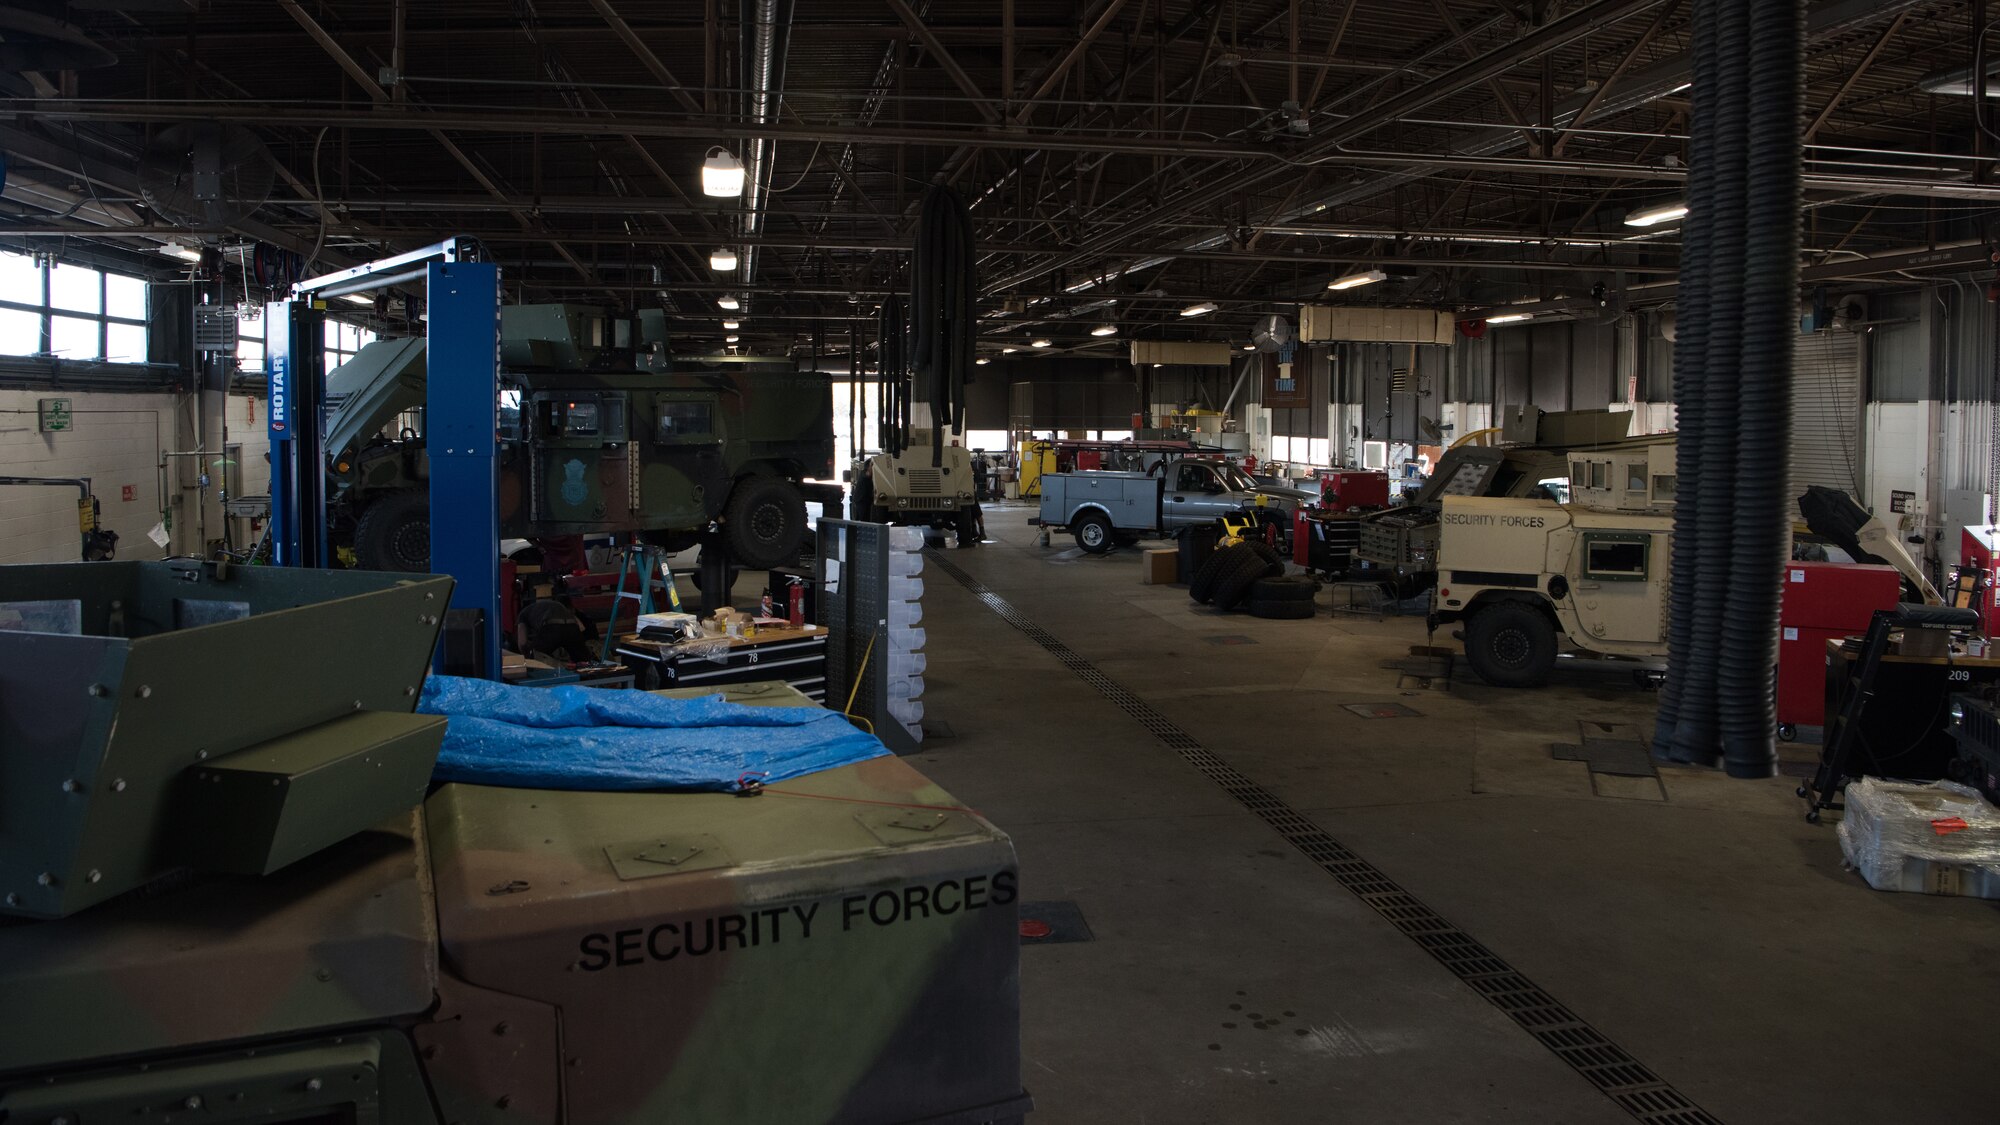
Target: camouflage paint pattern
{"type": "Point", "coordinates": [842, 948]}
{"type": "Point", "coordinates": [834, 958]}
{"type": "Point", "coordinates": [764, 417]}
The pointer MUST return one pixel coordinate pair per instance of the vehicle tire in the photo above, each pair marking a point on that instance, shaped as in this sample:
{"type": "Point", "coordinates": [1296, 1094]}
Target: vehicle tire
{"type": "Point", "coordinates": [1283, 610]}
{"type": "Point", "coordinates": [861, 501]}
{"type": "Point", "coordinates": [394, 533]}
{"type": "Point", "coordinates": [1511, 644]}
{"type": "Point", "coordinates": [1093, 532]}
{"type": "Point", "coordinates": [766, 522]}
{"type": "Point", "coordinates": [1202, 586]}
{"type": "Point", "coordinates": [1294, 588]}
{"type": "Point", "coordinates": [1232, 590]}
{"type": "Point", "coordinates": [970, 525]}
{"type": "Point", "coordinates": [1264, 550]}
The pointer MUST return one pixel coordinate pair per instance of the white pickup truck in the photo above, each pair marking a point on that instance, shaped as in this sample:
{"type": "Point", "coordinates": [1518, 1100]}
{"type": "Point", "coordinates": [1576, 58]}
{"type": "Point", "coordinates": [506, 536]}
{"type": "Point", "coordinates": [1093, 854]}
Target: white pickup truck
{"type": "Point", "coordinates": [1105, 508]}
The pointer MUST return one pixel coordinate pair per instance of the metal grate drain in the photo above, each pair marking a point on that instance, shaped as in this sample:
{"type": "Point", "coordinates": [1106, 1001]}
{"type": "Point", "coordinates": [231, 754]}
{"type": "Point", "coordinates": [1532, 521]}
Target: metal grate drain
{"type": "Point", "coordinates": [1606, 1065]}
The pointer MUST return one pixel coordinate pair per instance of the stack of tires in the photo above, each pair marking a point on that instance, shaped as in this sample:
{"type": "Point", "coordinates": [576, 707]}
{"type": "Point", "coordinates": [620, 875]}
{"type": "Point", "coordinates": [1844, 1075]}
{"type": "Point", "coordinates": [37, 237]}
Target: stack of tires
{"type": "Point", "coordinates": [1252, 576]}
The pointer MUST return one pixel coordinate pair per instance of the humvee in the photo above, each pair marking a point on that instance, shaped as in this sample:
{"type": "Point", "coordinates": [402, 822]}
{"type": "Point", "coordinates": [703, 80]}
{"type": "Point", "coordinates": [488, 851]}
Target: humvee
{"type": "Point", "coordinates": [905, 488]}
{"type": "Point", "coordinates": [1530, 577]}
{"type": "Point", "coordinates": [598, 433]}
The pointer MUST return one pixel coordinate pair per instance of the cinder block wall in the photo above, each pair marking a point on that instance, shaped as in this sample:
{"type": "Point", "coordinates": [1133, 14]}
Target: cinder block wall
{"type": "Point", "coordinates": [117, 440]}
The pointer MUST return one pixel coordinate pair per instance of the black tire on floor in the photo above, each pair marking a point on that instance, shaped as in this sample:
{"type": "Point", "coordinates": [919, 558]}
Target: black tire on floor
{"type": "Point", "coordinates": [970, 525]}
{"type": "Point", "coordinates": [1202, 586]}
{"type": "Point", "coordinates": [1264, 550]}
{"type": "Point", "coordinates": [1283, 610]}
{"type": "Point", "coordinates": [766, 522]}
{"type": "Point", "coordinates": [1292, 588]}
{"type": "Point", "coordinates": [394, 533]}
{"type": "Point", "coordinates": [1511, 644]}
{"type": "Point", "coordinates": [1234, 589]}
{"type": "Point", "coordinates": [1093, 532]}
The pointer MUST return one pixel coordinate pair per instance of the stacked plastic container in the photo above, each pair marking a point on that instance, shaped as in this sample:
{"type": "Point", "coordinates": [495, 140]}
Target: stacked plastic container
{"type": "Point", "coordinates": [905, 666]}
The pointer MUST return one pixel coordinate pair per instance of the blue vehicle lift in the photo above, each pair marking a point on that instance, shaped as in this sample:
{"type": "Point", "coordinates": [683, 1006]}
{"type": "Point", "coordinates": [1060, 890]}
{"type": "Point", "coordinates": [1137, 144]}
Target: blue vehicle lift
{"type": "Point", "coordinates": [462, 300]}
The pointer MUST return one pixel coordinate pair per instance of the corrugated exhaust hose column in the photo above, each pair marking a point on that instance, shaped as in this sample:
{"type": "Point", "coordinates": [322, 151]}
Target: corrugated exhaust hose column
{"type": "Point", "coordinates": [944, 286]}
{"type": "Point", "coordinates": [1732, 381]}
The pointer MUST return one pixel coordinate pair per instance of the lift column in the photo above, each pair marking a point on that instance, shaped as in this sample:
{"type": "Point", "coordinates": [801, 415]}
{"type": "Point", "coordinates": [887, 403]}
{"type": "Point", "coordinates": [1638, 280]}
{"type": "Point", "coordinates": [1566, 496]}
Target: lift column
{"type": "Point", "coordinates": [461, 422]}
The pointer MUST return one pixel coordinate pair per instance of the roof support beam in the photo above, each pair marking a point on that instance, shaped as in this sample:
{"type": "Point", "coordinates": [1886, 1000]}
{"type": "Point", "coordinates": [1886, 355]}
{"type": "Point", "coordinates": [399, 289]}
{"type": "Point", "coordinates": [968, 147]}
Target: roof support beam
{"type": "Point", "coordinates": [645, 54]}
{"type": "Point", "coordinates": [1854, 76]}
{"type": "Point", "coordinates": [944, 59]}
{"type": "Point", "coordinates": [1027, 110]}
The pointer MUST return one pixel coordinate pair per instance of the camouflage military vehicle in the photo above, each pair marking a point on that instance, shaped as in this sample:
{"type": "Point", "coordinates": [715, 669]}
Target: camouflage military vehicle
{"type": "Point", "coordinates": [240, 899]}
{"type": "Point", "coordinates": [599, 432]}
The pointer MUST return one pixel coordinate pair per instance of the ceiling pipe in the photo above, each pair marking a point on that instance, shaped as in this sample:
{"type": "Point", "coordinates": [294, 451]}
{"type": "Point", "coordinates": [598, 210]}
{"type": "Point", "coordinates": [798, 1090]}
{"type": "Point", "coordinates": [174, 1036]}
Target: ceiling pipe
{"type": "Point", "coordinates": [766, 39]}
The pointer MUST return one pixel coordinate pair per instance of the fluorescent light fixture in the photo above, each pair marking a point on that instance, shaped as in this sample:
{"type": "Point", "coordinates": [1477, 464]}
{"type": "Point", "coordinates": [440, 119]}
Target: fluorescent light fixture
{"type": "Point", "coordinates": [1040, 344]}
{"type": "Point", "coordinates": [1664, 213]}
{"type": "Point", "coordinates": [722, 259]}
{"type": "Point", "coordinates": [1198, 310]}
{"type": "Point", "coordinates": [1510, 318]}
{"type": "Point", "coordinates": [358, 299]}
{"type": "Point", "coordinates": [1249, 347]}
{"type": "Point", "coordinates": [731, 339]}
{"type": "Point", "coordinates": [1008, 351]}
{"type": "Point", "coordinates": [982, 361]}
{"type": "Point", "coordinates": [728, 301]}
{"type": "Point", "coordinates": [732, 325]}
{"type": "Point", "coordinates": [1105, 330]}
{"type": "Point", "coordinates": [184, 253]}
{"type": "Point", "coordinates": [721, 174]}
{"type": "Point", "coordinates": [1357, 280]}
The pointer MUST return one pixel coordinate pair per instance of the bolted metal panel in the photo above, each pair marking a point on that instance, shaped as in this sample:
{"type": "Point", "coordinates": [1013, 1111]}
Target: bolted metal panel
{"type": "Point", "coordinates": [101, 726]}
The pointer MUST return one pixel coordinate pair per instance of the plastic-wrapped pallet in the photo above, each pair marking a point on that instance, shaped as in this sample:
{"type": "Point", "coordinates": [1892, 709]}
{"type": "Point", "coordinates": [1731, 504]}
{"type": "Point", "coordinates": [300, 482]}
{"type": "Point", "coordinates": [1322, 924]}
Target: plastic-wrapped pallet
{"type": "Point", "coordinates": [1939, 838]}
{"type": "Point", "coordinates": [906, 662]}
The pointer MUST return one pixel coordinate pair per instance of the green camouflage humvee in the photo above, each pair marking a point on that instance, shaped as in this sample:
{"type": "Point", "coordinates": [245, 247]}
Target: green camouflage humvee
{"type": "Point", "coordinates": [597, 434]}
{"type": "Point", "coordinates": [240, 898]}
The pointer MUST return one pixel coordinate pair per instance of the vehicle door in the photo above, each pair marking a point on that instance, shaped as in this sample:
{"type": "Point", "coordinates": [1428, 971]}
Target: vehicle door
{"type": "Point", "coordinates": [582, 462]}
{"type": "Point", "coordinates": [1195, 495]}
{"type": "Point", "coordinates": [686, 476]}
{"type": "Point", "coordinates": [1619, 579]}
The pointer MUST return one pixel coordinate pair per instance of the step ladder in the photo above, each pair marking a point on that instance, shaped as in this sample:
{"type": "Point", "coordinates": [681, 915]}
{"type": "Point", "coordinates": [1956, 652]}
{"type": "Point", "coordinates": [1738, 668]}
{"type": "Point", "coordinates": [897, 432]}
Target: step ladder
{"type": "Point", "coordinates": [648, 563]}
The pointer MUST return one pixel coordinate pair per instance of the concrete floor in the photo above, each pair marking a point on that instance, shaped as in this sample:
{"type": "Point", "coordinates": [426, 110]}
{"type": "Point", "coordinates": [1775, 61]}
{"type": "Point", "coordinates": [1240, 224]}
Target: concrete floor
{"type": "Point", "coordinates": [1698, 923]}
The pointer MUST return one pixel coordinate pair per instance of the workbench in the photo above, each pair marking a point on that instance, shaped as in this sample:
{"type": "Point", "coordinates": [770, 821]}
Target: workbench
{"type": "Point", "coordinates": [795, 655]}
{"type": "Point", "coordinates": [1906, 729]}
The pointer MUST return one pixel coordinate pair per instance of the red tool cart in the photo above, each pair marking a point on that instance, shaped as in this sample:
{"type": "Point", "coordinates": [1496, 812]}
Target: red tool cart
{"type": "Point", "coordinates": [1979, 548]}
{"type": "Point", "coordinates": [1823, 602]}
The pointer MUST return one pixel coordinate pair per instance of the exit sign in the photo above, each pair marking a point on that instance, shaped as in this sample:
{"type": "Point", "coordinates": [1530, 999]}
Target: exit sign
{"type": "Point", "coordinates": [54, 414]}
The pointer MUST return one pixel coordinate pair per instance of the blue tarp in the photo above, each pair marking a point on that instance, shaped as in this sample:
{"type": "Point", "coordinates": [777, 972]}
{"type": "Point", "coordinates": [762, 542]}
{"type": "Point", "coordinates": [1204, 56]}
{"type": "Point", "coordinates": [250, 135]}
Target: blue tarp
{"type": "Point", "coordinates": [589, 738]}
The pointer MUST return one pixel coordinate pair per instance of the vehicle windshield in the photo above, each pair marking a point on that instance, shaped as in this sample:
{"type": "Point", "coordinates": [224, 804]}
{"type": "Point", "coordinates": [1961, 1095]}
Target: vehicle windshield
{"type": "Point", "coordinates": [1237, 479]}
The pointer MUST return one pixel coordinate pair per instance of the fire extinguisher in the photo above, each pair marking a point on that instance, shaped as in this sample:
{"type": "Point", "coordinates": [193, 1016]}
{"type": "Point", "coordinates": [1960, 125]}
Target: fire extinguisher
{"type": "Point", "coordinates": [795, 604]}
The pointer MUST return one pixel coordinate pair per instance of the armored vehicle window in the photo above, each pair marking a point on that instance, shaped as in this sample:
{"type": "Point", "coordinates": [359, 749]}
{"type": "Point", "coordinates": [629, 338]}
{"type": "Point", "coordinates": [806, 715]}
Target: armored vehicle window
{"type": "Point", "coordinates": [1600, 475]}
{"type": "Point", "coordinates": [681, 421]}
{"type": "Point", "coordinates": [1663, 486]}
{"type": "Point", "coordinates": [569, 419]}
{"type": "Point", "coordinates": [1616, 558]}
{"type": "Point", "coordinates": [1635, 478]}
{"type": "Point", "coordinates": [508, 411]}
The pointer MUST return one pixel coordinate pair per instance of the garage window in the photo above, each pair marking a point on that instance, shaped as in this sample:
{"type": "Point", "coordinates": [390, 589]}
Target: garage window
{"type": "Point", "coordinates": [1616, 558]}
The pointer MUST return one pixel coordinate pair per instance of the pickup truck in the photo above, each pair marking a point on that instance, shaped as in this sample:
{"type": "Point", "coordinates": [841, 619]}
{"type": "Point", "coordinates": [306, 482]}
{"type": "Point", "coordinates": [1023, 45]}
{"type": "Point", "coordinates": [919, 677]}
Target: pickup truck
{"type": "Point", "coordinates": [1106, 508]}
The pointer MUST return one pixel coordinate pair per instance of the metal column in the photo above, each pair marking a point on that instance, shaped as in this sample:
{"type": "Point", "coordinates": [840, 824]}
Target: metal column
{"type": "Point", "coordinates": [297, 362]}
{"type": "Point", "coordinates": [461, 420]}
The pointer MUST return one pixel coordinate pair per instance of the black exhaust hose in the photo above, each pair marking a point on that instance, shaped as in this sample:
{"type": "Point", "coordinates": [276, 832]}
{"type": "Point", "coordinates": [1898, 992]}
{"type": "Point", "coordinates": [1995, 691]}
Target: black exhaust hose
{"type": "Point", "coordinates": [1749, 632]}
{"type": "Point", "coordinates": [1722, 152]}
{"type": "Point", "coordinates": [943, 292]}
{"type": "Point", "coordinates": [1700, 743]}
{"type": "Point", "coordinates": [1690, 349]}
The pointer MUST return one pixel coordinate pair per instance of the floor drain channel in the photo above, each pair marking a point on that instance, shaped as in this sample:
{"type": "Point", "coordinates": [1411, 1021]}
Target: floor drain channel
{"type": "Point", "coordinates": [1603, 1063]}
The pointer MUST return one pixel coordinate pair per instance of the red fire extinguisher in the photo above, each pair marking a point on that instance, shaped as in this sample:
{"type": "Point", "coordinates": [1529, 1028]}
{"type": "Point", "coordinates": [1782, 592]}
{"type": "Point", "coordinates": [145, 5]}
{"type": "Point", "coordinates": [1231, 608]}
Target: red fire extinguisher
{"type": "Point", "coordinates": [795, 604]}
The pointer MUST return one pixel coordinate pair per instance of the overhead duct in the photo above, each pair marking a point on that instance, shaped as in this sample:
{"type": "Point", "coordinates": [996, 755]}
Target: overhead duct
{"type": "Point", "coordinates": [766, 33]}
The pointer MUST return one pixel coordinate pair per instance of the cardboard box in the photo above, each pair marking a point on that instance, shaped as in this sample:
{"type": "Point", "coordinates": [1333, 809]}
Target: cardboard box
{"type": "Point", "coordinates": [1159, 567]}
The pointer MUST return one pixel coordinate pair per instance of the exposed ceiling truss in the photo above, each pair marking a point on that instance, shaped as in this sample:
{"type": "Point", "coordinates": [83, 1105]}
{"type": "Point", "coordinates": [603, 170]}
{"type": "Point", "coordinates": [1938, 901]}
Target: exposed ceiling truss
{"type": "Point", "coordinates": [1121, 157]}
